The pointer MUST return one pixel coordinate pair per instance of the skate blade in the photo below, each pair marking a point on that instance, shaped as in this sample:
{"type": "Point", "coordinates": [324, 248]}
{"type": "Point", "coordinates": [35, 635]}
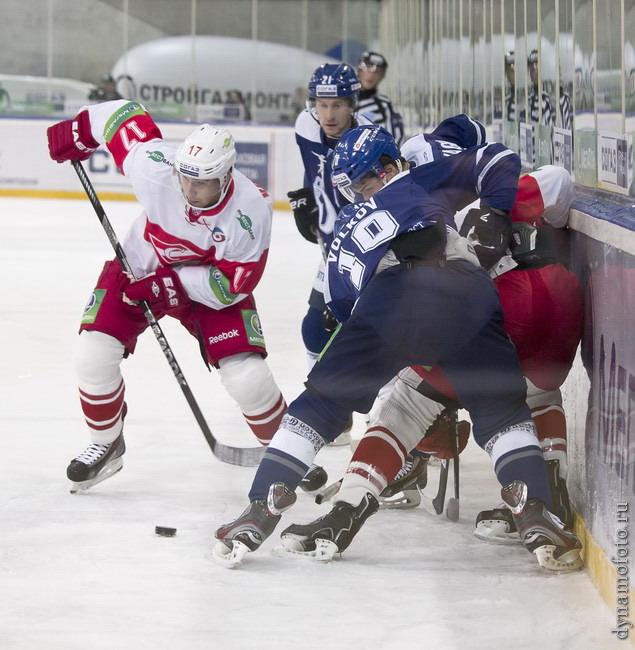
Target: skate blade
{"type": "Point", "coordinates": [495, 532]}
{"type": "Point", "coordinates": [107, 472]}
{"type": "Point", "coordinates": [291, 548]}
{"type": "Point", "coordinates": [569, 561]}
{"type": "Point", "coordinates": [401, 501]}
{"type": "Point", "coordinates": [230, 558]}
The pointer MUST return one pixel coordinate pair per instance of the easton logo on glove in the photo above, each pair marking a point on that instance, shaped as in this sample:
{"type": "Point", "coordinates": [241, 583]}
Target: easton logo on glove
{"type": "Point", "coordinates": [156, 290]}
{"type": "Point", "coordinates": [161, 289]}
{"type": "Point", "coordinates": [71, 139]}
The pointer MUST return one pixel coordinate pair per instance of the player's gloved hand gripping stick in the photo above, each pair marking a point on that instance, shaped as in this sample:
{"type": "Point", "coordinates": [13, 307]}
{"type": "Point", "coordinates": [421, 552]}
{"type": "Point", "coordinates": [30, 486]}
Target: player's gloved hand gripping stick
{"type": "Point", "coordinates": [244, 456]}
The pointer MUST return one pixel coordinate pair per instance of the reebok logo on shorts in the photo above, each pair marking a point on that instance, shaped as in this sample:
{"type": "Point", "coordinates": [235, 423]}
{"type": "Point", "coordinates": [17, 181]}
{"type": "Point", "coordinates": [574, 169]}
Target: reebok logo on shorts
{"type": "Point", "coordinates": [223, 336]}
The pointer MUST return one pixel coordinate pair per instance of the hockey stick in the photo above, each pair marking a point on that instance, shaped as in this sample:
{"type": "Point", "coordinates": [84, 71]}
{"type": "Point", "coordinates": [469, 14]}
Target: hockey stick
{"type": "Point", "coordinates": [439, 501]}
{"type": "Point", "coordinates": [452, 509]}
{"type": "Point", "coordinates": [328, 492]}
{"type": "Point", "coordinates": [244, 456]}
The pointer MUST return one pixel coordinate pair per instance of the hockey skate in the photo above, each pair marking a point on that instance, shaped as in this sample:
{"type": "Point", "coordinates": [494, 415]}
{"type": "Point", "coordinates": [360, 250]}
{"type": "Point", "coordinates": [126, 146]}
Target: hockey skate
{"type": "Point", "coordinates": [405, 490]}
{"type": "Point", "coordinates": [542, 533]}
{"type": "Point", "coordinates": [248, 531]}
{"type": "Point", "coordinates": [560, 495]}
{"type": "Point", "coordinates": [97, 463]}
{"type": "Point", "coordinates": [323, 538]}
{"type": "Point", "coordinates": [314, 479]}
{"type": "Point", "coordinates": [496, 525]}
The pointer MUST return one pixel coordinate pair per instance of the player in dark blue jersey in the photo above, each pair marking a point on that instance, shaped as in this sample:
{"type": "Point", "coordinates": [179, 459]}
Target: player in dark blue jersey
{"type": "Point", "coordinates": [409, 290]}
{"type": "Point", "coordinates": [332, 99]}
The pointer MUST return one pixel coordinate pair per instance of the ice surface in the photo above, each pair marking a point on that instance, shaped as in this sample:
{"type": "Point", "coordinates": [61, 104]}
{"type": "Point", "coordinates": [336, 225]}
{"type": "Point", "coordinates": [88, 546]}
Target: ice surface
{"type": "Point", "coordinates": [87, 572]}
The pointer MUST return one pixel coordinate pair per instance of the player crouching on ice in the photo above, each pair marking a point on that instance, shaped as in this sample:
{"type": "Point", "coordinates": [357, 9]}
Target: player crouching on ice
{"type": "Point", "coordinates": [408, 290]}
{"type": "Point", "coordinates": [197, 251]}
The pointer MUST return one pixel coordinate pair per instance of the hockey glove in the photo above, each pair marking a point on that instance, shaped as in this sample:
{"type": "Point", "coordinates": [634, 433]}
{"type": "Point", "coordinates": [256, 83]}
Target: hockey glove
{"type": "Point", "coordinates": [71, 139]}
{"type": "Point", "coordinates": [489, 231]}
{"type": "Point", "coordinates": [305, 213]}
{"type": "Point", "coordinates": [329, 321]}
{"type": "Point", "coordinates": [161, 289]}
{"type": "Point", "coordinates": [532, 247]}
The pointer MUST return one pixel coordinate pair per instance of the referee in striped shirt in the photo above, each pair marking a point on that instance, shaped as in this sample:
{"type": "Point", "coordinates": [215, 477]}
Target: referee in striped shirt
{"type": "Point", "coordinates": [371, 69]}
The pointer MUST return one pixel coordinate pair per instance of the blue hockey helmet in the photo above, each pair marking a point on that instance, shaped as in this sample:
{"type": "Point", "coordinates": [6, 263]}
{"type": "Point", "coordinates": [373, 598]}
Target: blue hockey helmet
{"type": "Point", "coordinates": [333, 80]}
{"type": "Point", "coordinates": [356, 158]}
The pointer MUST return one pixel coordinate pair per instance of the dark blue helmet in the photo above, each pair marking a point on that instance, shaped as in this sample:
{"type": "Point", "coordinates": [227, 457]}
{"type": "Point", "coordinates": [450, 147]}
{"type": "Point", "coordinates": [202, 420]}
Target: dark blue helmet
{"type": "Point", "coordinates": [333, 80]}
{"type": "Point", "coordinates": [357, 155]}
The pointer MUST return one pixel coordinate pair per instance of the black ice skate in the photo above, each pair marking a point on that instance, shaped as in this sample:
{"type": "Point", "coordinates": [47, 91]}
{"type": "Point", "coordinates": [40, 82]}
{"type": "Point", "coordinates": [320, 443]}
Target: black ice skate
{"type": "Point", "coordinates": [497, 525]}
{"type": "Point", "coordinates": [248, 531]}
{"type": "Point", "coordinates": [560, 495]}
{"type": "Point", "coordinates": [97, 463]}
{"type": "Point", "coordinates": [314, 479]}
{"type": "Point", "coordinates": [330, 534]}
{"type": "Point", "coordinates": [405, 490]}
{"type": "Point", "coordinates": [542, 533]}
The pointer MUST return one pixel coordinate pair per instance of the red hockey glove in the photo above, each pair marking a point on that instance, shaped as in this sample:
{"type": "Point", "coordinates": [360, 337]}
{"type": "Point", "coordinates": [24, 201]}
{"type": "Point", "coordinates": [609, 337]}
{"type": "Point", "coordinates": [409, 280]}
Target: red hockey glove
{"type": "Point", "coordinates": [71, 139]}
{"type": "Point", "coordinates": [161, 289]}
{"type": "Point", "coordinates": [436, 441]}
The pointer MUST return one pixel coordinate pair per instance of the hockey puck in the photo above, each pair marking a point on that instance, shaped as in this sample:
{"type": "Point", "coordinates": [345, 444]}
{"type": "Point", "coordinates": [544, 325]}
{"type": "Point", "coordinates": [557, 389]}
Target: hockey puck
{"type": "Point", "coordinates": [163, 531]}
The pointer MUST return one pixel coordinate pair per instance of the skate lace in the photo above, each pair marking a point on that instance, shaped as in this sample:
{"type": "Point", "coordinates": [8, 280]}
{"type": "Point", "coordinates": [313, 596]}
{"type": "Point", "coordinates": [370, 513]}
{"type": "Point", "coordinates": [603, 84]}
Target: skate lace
{"type": "Point", "coordinates": [92, 453]}
{"type": "Point", "coordinates": [405, 470]}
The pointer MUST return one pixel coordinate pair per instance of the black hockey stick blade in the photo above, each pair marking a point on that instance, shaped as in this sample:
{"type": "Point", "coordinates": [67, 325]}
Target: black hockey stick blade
{"type": "Point", "coordinates": [328, 492]}
{"type": "Point", "coordinates": [244, 456]}
{"type": "Point", "coordinates": [439, 501]}
{"type": "Point", "coordinates": [454, 439]}
{"type": "Point", "coordinates": [452, 509]}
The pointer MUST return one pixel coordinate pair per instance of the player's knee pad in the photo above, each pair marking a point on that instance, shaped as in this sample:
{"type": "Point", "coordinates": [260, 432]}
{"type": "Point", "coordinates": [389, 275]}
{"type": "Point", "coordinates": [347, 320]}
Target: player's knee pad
{"type": "Point", "coordinates": [406, 413]}
{"type": "Point", "coordinates": [98, 357]}
{"type": "Point", "coordinates": [537, 397]}
{"type": "Point", "coordinates": [249, 382]}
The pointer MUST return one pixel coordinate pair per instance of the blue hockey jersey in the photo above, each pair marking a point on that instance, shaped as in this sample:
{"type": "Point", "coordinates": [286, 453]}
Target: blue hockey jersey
{"type": "Point", "coordinates": [451, 136]}
{"type": "Point", "coordinates": [317, 151]}
{"type": "Point", "coordinates": [413, 200]}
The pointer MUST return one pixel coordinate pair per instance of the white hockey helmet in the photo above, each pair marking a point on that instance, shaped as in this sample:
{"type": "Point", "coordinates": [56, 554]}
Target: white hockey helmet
{"type": "Point", "coordinates": [207, 153]}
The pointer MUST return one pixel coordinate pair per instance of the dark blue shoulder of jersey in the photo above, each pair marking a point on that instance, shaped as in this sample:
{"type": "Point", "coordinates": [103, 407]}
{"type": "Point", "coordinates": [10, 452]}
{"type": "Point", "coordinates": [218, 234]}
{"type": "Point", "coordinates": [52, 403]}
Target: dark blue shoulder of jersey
{"type": "Point", "coordinates": [451, 136]}
{"type": "Point", "coordinates": [461, 130]}
{"type": "Point", "coordinates": [489, 172]}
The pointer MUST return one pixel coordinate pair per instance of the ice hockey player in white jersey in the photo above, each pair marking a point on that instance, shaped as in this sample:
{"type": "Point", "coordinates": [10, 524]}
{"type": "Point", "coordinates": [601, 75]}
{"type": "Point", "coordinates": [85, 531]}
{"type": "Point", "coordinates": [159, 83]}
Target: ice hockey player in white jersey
{"type": "Point", "coordinates": [371, 69]}
{"type": "Point", "coordinates": [197, 251]}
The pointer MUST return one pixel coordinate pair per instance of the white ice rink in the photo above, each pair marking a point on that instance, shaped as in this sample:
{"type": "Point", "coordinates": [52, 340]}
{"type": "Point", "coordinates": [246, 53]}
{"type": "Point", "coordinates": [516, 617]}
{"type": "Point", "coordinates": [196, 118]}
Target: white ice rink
{"type": "Point", "coordinates": [87, 572]}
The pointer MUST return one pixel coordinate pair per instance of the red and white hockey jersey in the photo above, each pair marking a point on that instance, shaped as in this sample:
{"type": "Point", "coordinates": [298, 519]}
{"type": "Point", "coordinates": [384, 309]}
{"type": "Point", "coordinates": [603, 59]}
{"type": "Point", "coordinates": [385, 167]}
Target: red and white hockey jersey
{"type": "Point", "coordinates": [219, 254]}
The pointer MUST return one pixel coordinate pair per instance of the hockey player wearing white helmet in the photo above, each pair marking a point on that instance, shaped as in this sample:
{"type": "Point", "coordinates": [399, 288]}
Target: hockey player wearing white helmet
{"type": "Point", "coordinates": [197, 251]}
